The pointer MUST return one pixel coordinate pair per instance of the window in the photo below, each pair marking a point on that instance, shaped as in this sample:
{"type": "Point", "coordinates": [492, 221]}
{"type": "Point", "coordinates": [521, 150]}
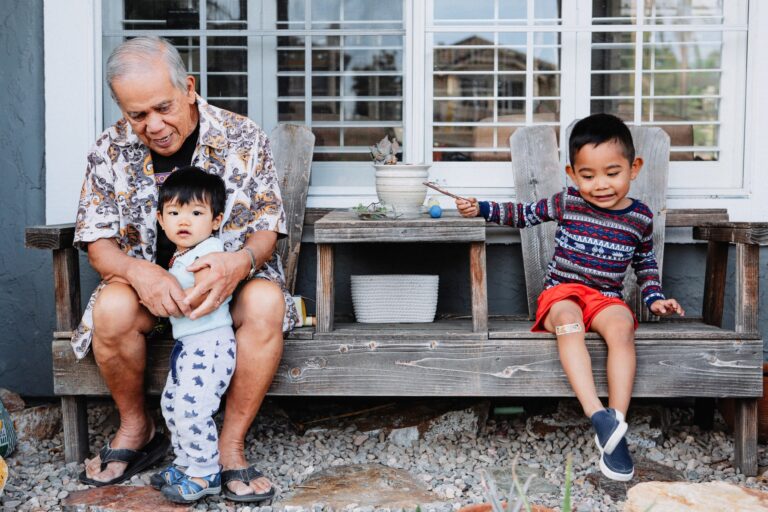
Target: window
{"type": "Point", "coordinates": [453, 79]}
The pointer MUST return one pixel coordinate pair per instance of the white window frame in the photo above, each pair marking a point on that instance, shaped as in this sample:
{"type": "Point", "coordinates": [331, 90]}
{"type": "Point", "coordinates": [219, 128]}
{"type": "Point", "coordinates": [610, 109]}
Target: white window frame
{"type": "Point", "coordinates": [73, 117]}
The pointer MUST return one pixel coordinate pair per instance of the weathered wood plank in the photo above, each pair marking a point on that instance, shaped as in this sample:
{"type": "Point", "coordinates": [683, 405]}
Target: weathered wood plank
{"type": "Point", "coordinates": [747, 283]}
{"type": "Point", "coordinates": [53, 236]}
{"type": "Point", "coordinates": [734, 232]}
{"type": "Point", "coordinates": [436, 367]}
{"type": "Point", "coordinates": [292, 148]}
{"type": "Point", "coordinates": [345, 227]}
{"type": "Point", "coordinates": [74, 420]}
{"type": "Point", "coordinates": [676, 217]}
{"type": "Point", "coordinates": [668, 329]}
{"type": "Point", "coordinates": [66, 287]}
{"type": "Point", "coordinates": [439, 329]}
{"type": "Point", "coordinates": [537, 174]}
{"type": "Point", "coordinates": [714, 283]}
{"type": "Point", "coordinates": [745, 436]}
{"type": "Point", "coordinates": [325, 295]}
{"type": "Point", "coordinates": [479, 287]}
{"type": "Point", "coordinates": [690, 217]}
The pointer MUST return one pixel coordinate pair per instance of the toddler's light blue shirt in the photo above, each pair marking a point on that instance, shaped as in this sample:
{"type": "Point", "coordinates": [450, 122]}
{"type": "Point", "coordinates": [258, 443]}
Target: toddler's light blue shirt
{"type": "Point", "coordinates": [219, 317]}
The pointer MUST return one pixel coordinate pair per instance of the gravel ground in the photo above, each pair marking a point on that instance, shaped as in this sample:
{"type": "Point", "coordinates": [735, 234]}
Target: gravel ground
{"type": "Point", "coordinates": [448, 463]}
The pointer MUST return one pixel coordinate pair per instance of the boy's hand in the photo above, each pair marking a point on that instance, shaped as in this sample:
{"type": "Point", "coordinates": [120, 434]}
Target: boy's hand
{"type": "Point", "coordinates": [468, 208]}
{"type": "Point", "coordinates": [667, 307]}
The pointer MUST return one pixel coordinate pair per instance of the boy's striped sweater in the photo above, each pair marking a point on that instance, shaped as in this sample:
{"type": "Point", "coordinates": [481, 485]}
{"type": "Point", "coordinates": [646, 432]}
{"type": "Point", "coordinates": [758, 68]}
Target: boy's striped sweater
{"type": "Point", "coordinates": [593, 246]}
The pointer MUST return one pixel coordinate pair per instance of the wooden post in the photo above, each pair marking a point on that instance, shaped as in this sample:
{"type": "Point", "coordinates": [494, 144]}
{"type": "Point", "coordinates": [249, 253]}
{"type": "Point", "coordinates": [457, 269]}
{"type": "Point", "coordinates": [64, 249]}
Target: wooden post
{"type": "Point", "coordinates": [479, 287]}
{"type": "Point", "coordinates": [324, 287]}
{"type": "Point", "coordinates": [747, 282]}
{"type": "Point", "coordinates": [714, 283]}
{"type": "Point", "coordinates": [745, 436]}
{"type": "Point", "coordinates": [74, 409]}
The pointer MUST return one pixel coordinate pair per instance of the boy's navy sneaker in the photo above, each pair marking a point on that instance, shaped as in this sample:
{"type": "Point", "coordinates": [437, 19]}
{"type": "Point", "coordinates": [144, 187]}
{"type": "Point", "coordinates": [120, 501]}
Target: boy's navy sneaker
{"type": "Point", "coordinates": [617, 465]}
{"type": "Point", "coordinates": [610, 428]}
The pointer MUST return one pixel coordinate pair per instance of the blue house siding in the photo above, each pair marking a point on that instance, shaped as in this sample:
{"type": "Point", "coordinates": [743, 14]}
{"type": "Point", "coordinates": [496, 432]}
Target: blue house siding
{"type": "Point", "coordinates": [26, 297]}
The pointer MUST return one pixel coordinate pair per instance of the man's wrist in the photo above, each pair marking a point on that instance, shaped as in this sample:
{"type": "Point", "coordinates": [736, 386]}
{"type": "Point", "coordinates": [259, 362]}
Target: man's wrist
{"type": "Point", "coordinates": [251, 262]}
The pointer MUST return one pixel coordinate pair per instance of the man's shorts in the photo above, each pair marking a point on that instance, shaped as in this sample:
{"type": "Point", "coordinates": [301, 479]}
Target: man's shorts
{"type": "Point", "coordinates": [588, 299]}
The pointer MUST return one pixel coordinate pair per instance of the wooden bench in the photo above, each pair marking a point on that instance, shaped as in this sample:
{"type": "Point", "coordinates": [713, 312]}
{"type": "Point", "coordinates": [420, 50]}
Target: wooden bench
{"type": "Point", "coordinates": [679, 358]}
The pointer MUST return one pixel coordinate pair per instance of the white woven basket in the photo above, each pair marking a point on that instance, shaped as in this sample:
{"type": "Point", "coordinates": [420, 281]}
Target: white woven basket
{"type": "Point", "coordinates": [397, 298]}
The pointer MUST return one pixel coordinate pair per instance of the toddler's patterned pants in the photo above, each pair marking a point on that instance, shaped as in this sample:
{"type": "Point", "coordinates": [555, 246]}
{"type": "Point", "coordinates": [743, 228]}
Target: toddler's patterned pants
{"type": "Point", "coordinates": [201, 368]}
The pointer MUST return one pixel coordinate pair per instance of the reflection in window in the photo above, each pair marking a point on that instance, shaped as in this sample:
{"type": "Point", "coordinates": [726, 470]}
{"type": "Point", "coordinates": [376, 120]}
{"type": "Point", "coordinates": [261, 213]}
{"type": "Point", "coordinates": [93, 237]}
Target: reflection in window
{"type": "Point", "coordinates": [678, 73]}
{"type": "Point", "coordinates": [487, 83]}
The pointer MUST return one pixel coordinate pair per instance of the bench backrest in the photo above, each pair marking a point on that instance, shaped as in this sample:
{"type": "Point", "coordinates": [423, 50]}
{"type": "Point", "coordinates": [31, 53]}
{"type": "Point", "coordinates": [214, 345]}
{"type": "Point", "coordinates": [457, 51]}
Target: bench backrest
{"type": "Point", "coordinates": [539, 174]}
{"type": "Point", "coordinates": [292, 148]}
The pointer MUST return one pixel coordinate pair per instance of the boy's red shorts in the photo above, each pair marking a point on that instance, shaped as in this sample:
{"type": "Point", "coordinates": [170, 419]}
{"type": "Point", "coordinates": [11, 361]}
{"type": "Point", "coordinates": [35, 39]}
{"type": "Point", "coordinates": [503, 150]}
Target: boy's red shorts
{"type": "Point", "coordinates": [589, 300]}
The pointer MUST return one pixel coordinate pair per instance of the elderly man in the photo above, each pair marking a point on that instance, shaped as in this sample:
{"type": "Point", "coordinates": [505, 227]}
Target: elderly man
{"type": "Point", "coordinates": [165, 125]}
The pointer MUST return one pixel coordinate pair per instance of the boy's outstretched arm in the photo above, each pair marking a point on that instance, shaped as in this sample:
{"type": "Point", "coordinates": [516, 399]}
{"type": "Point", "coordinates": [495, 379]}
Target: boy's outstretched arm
{"type": "Point", "coordinates": [468, 208]}
{"type": "Point", "coordinates": [667, 307]}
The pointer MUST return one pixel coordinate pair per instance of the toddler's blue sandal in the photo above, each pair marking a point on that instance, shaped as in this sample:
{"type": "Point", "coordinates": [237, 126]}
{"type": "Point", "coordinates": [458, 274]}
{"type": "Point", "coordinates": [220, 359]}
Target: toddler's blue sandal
{"type": "Point", "coordinates": [186, 490]}
{"type": "Point", "coordinates": [168, 476]}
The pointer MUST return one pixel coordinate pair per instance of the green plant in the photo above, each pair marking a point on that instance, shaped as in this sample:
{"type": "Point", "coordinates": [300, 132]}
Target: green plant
{"type": "Point", "coordinates": [516, 497]}
{"type": "Point", "coordinates": [374, 211]}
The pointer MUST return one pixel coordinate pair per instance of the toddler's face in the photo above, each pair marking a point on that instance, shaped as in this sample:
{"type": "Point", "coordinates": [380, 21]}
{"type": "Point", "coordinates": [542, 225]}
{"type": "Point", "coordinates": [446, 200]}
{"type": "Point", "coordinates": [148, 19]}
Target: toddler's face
{"type": "Point", "coordinates": [188, 225]}
{"type": "Point", "coordinates": [602, 174]}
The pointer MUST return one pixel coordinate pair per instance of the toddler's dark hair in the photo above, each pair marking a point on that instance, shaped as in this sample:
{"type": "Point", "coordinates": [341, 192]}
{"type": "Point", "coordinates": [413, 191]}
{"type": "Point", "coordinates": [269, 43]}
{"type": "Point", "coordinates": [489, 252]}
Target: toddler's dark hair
{"type": "Point", "coordinates": [191, 183]}
{"type": "Point", "coordinates": [599, 128]}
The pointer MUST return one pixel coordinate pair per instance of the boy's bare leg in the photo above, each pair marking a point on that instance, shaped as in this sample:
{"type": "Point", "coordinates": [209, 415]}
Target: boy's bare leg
{"type": "Point", "coordinates": [616, 325]}
{"type": "Point", "coordinates": [119, 325]}
{"type": "Point", "coordinates": [257, 313]}
{"type": "Point", "coordinates": [574, 355]}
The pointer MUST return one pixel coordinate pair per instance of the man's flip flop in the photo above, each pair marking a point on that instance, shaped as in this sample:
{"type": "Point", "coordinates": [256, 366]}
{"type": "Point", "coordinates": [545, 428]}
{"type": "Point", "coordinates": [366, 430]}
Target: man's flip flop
{"type": "Point", "coordinates": [137, 460]}
{"type": "Point", "coordinates": [245, 476]}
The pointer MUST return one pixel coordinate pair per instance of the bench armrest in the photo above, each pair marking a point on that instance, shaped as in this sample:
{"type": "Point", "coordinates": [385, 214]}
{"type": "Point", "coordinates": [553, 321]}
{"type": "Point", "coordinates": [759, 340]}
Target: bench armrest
{"type": "Point", "coordinates": [748, 237]}
{"type": "Point", "coordinates": [753, 233]}
{"type": "Point", "coordinates": [66, 269]}
{"type": "Point", "coordinates": [54, 236]}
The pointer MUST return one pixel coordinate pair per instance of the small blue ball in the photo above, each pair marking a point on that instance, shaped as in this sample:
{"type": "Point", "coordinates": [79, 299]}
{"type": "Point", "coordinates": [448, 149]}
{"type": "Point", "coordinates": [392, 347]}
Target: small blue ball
{"type": "Point", "coordinates": [435, 211]}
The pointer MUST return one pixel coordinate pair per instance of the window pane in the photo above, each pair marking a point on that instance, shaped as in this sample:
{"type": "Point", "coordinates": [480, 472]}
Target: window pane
{"type": "Point", "coordinates": [613, 51]}
{"type": "Point", "coordinates": [462, 111]}
{"type": "Point", "coordinates": [480, 80]}
{"type": "Point", "coordinates": [684, 11]}
{"type": "Point", "coordinates": [167, 15]}
{"type": "Point", "coordinates": [613, 84]}
{"type": "Point", "coordinates": [227, 14]}
{"type": "Point", "coordinates": [614, 12]}
{"type": "Point", "coordinates": [460, 10]}
{"type": "Point", "coordinates": [675, 50]}
{"type": "Point", "coordinates": [290, 111]}
{"type": "Point", "coordinates": [681, 82]}
{"type": "Point", "coordinates": [464, 59]}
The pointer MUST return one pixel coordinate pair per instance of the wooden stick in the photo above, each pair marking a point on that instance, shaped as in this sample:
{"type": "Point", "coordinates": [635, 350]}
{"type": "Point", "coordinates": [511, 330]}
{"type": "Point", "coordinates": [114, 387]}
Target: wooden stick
{"type": "Point", "coordinates": [443, 191]}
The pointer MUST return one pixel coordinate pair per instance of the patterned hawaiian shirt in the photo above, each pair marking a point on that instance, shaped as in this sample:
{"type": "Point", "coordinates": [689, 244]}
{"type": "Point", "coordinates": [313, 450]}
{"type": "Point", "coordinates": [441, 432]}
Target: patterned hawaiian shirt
{"type": "Point", "coordinates": [119, 196]}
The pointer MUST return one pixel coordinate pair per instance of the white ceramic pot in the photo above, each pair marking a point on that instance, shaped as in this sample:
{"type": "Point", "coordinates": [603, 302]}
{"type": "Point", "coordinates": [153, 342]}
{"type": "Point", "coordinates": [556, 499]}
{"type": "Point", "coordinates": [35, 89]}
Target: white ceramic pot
{"type": "Point", "coordinates": [401, 186]}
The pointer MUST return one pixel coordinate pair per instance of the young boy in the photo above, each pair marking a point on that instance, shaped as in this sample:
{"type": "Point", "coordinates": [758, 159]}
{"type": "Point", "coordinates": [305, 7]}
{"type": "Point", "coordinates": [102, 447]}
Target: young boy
{"type": "Point", "coordinates": [190, 209]}
{"type": "Point", "coordinates": [600, 233]}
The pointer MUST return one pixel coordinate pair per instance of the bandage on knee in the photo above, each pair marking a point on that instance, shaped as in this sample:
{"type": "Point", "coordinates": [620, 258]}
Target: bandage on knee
{"type": "Point", "coordinates": [568, 329]}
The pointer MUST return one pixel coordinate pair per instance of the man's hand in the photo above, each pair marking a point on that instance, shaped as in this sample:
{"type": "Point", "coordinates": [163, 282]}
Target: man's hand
{"type": "Point", "coordinates": [667, 307]}
{"type": "Point", "coordinates": [468, 208]}
{"type": "Point", "coordinates": [157, 289]}
{"type": "Point", "coordinates": [216, 275]}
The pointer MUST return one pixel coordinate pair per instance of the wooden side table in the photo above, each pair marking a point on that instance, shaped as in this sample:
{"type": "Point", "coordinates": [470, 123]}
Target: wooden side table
{"type": "Point", "coordinates": [344, 227]}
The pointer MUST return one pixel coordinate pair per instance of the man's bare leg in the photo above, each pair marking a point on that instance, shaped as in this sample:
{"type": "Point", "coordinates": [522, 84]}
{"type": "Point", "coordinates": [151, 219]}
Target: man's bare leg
{"type": "Point", "coordinates": [257, 314]}
{"type": "Point", "coordinates": [574, 355]}
{"type": "Point", "coordinates": [617, 327]}
{"type": "Point", "coordinates": [119, 325]}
